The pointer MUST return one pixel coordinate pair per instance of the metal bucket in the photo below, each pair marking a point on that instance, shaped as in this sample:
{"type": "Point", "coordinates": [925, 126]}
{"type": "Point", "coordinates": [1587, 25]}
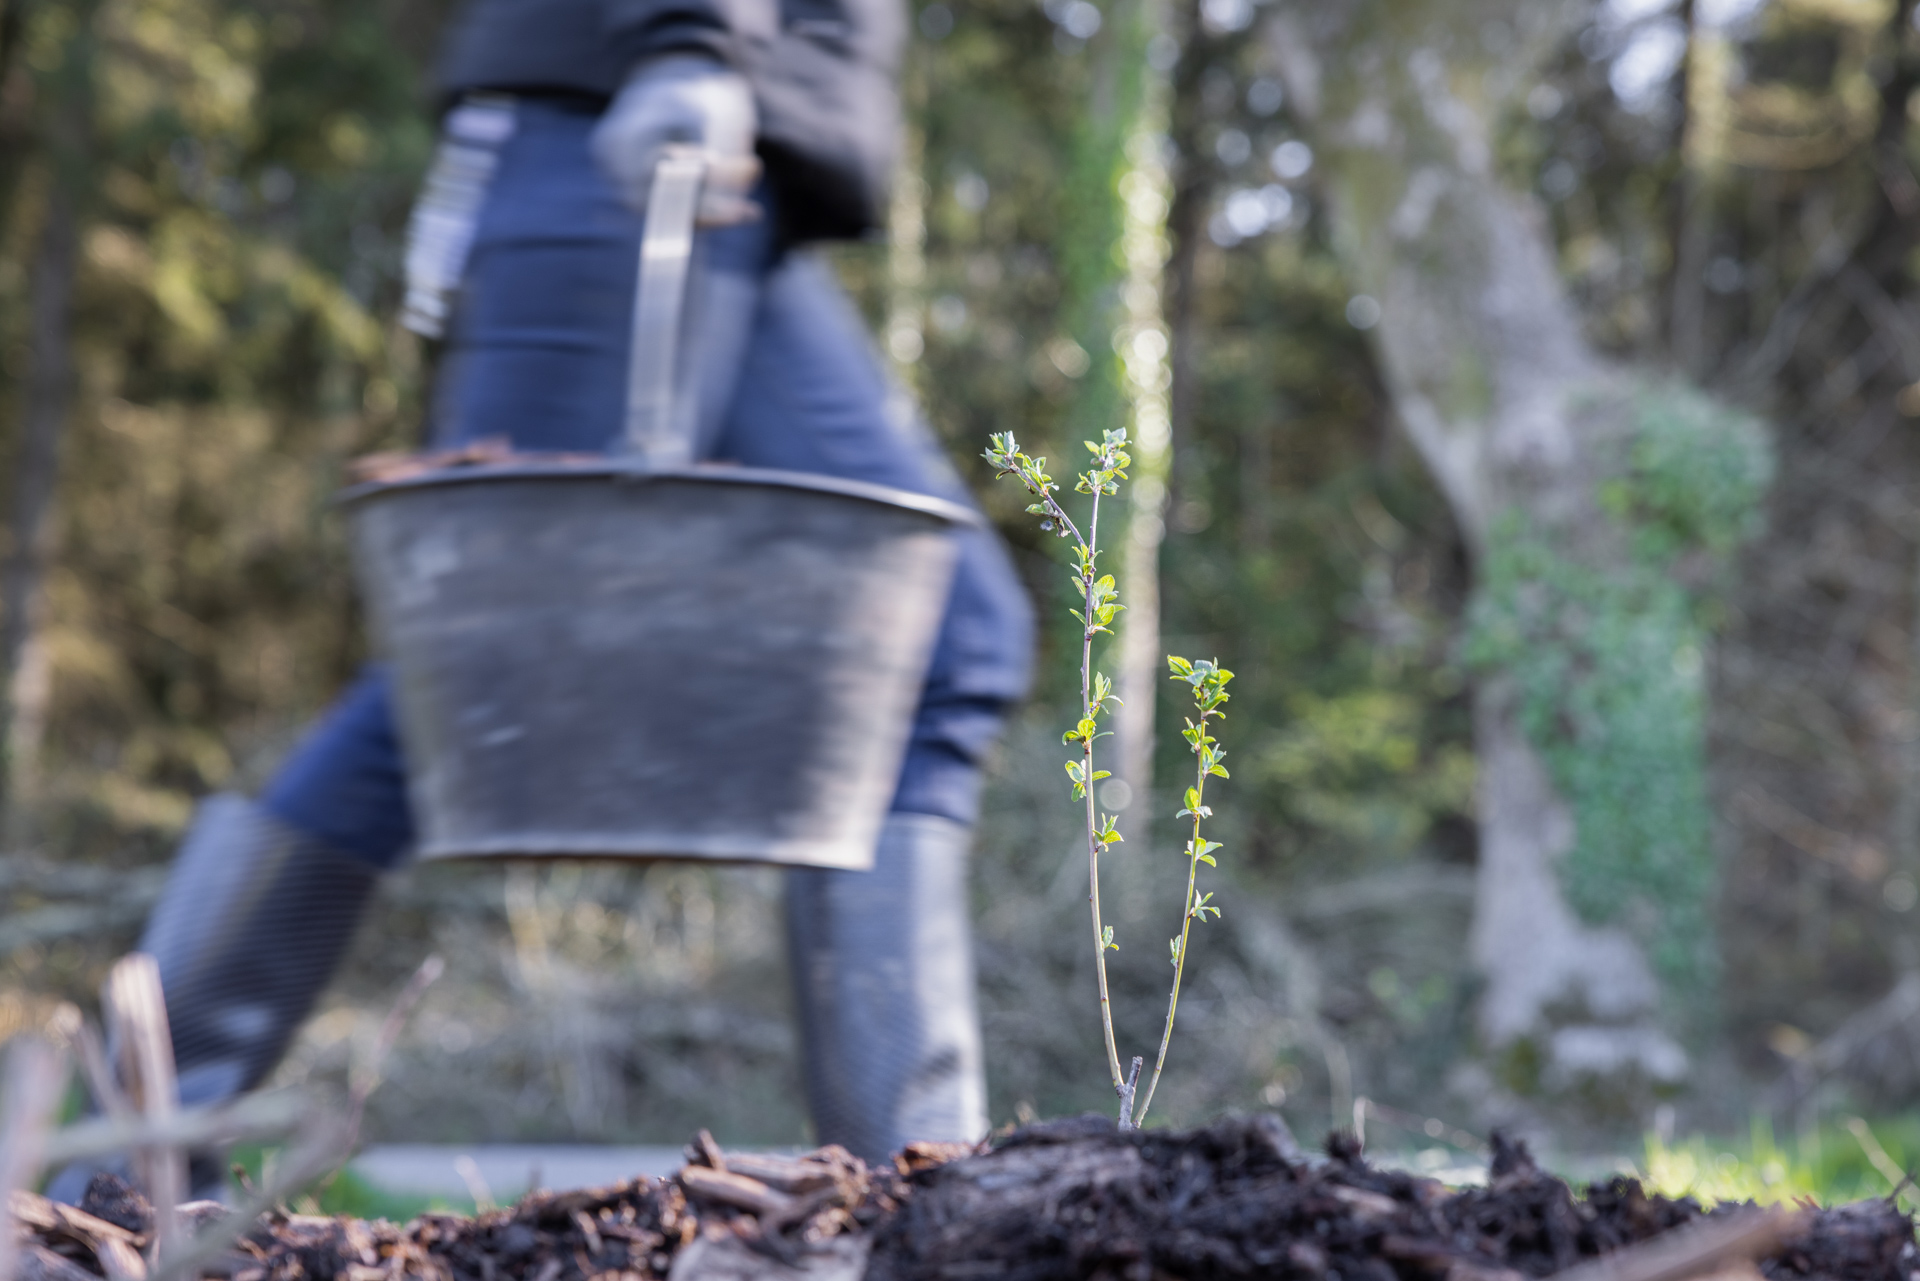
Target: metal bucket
{"type": "Point", "coordinates": [644, 658]}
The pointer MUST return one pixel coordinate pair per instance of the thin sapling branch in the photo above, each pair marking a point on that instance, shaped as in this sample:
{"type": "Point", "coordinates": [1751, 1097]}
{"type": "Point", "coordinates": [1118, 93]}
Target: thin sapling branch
{"type": "Point", "coordinates": [1100, 603]}
{"type": "Point", "coordinates": [1209, 683]}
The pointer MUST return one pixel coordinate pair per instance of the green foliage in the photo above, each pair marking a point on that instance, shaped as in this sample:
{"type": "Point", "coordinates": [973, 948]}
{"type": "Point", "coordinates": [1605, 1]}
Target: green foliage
{"type": "Point", "coordinates": [1832, 1164]}
{"type": "Point", "coordinates": [1357, 766]}
{"type": "Point", "coordinates": [246, 178]}
{"type": "Point", "coordinates": [345, 1192]}
{"type": "Point", "coordinates": [1608, 668]}
{"type": "Point", "coordinates": [1696, 472]}
{"type": "Point", "coordinates": [1208, 682]}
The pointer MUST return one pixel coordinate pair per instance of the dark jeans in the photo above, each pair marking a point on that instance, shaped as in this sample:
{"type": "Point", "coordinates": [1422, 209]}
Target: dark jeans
{"type": "Point", "coordinates": [783, 375]}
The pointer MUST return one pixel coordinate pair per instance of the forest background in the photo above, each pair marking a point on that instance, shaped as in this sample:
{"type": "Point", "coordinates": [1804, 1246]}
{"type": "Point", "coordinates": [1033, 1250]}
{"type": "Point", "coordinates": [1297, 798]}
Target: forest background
{"type": "Point", "coordinates": [1528, 398]}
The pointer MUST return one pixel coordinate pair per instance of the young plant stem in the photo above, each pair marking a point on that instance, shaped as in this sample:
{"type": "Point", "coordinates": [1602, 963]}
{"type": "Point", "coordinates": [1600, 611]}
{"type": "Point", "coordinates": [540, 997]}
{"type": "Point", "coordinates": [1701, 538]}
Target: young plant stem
{"type": "Point", "coordinates": [1180, 960]}
{"type": "Point", "coordinates": [1099, 601]}
{"type": "Point", "coordinates": [1094, 845]}
{"type": "Point", "coordinates": [1208, 680]}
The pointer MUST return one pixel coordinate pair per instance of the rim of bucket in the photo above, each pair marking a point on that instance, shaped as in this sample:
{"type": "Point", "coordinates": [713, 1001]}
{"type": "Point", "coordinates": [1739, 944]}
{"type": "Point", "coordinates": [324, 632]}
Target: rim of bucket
{"type": "Point", "coordinates": [640, 473]}
{"type": "Point", "coordinates": [625, 847]}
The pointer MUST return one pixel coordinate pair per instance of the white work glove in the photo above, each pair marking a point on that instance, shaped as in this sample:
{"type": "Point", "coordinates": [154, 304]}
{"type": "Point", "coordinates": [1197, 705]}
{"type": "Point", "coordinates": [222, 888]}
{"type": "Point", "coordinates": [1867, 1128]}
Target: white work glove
{"type": "Point", "coordinates": [693, 101]}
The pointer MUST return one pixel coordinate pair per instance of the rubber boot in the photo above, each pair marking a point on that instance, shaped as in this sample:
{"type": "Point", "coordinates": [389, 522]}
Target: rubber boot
{"type": "Point", "coordinates": [883, 976]}
{"type": "Point", "coordinates": [253, 921]}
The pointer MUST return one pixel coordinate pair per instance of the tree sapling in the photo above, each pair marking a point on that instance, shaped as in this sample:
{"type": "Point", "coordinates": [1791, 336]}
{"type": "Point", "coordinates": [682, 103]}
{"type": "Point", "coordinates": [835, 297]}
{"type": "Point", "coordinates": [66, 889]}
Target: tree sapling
{"type": "Point", "coordinates": [1099, 604]}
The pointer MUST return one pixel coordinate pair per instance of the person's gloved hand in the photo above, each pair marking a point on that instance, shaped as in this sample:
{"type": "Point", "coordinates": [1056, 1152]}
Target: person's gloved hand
{"type": "Point", "coordinates": [693, 101]}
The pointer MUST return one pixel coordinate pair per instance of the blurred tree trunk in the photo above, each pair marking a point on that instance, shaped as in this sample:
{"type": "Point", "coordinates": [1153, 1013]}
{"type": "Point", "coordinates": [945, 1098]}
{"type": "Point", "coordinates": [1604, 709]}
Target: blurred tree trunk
{"type": "Point", "coordinates": [1480, 348]}
{"type": "Point", "coordinates": [47, 403]}
{"type": "Point", "coordinates": [1162, 388]}
{"type": "Point", "coordinates": [1885, 252]}
{"type": "Point", "coordinates": [1114, 253]}
{"type": "Point", "coordinates": [1144, 341]}
{"type": "Point", "coordinates": [1193, 187]}
{"type": "Point", "coordinates": [905, 331]}
{"type": "Point", "coordinates": [1702, 93]}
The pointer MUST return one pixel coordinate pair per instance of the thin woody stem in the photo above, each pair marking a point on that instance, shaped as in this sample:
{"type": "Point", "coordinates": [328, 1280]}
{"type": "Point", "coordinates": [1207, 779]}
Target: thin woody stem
{"type": "Point", "coordinates": [1186, 925]}
{"type": "Point", "coordinates": [1092, 545]}
{"type": "Point", "coordinates": [1066, 521]}
{"type": "Point", "coordinates": [1035, 482]}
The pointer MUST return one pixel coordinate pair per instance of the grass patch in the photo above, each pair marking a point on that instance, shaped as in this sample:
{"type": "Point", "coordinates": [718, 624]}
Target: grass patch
{"type": "Point", "coordinates": [347, 1193]}
{"type": "Point", "coordinates": [1851, 1159]}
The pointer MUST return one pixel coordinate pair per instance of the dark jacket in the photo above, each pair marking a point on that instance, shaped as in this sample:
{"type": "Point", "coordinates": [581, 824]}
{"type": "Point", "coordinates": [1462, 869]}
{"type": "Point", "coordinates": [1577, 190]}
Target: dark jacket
{"type": "Point", "coordinates": [822, 71]}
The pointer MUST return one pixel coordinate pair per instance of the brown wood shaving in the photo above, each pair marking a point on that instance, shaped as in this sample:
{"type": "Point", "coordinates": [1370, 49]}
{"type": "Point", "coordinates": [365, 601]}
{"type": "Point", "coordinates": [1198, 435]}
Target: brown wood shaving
{"type": "Point", "coordinates": [1075, 1201]}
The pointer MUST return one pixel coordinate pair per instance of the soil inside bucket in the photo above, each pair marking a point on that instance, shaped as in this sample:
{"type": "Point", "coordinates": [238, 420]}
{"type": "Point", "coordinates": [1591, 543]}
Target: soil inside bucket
{"type": "Point", "coordinates": [1070, 1199]}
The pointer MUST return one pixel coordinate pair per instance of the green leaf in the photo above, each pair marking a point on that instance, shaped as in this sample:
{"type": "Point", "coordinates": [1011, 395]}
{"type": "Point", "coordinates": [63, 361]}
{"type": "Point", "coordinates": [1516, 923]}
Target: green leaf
{"type": "Point", "coordinates": [1193, 797]}
{"type": "Point", "coordinates": [1208, 860]}
{"type": "Point", "coordinates": [1106, 939]}
{"type": "Point", "coordinates": [1221, 770]}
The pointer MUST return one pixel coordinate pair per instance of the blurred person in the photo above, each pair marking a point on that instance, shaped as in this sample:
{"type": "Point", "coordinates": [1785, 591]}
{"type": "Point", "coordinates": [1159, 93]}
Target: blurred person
{"type": "Point", "coordinates": [523, 251]}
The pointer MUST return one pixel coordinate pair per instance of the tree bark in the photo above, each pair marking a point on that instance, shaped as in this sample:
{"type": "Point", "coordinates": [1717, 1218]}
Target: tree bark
{"type": "Point", "coordinates": [1113, 255]}
{"type": "Point", "coordinates": [48, 400]}
{"type": "Point", "coordinates": [1141, 668]}
{"type": "Point", "coordinates": [1167, 406]}
{"type": "Point", "coordinates": [904, 335]}
{"type": "Point", "coordinates": [36, 469]}
{"type": "Point", "coordinates": [1480, 348]}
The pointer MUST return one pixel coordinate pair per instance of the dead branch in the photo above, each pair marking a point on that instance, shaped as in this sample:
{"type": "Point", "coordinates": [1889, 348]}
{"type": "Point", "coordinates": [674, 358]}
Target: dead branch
{"type": "Point", "coordinates": [70, 1028]}
{"type": "Point", "coordinates": [1883, 1019]}
{"type": "Point", "coordinates": [37, 1263]}
{"type": "Point", "coordinates": [36, 1075]}
{"type": "Point", "coordinates": [322, 1147]}
{"type": "Point", "coordinates": [368, 1079]}
{"type": "Point", "coordinates": [138, 1008]}
{"type": "Point", "coordinates": [736, 1190]}
{"type": "Point", "coordinates": [254, 1116]}
{"type": "Point", "coordinates": [1693, 1250]}
{"type": "Point", "coordinates": [54, 1219]}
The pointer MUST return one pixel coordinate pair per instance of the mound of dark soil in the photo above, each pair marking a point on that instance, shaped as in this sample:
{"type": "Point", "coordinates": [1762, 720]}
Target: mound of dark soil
{"type": "Point", "coordinates": [1078, 1200]}
{"type": "Point", "coordinates": [1068, 1201]}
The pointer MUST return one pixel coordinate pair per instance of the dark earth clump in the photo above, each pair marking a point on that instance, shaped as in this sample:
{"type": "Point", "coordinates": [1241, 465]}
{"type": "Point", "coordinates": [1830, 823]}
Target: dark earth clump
{"type": "Point", "coordinates": [1078, 1200]}
{"type": "Point", "coordinates": [110, 1197]}
{"type": "Point", "coordinates": [1066, 1201]}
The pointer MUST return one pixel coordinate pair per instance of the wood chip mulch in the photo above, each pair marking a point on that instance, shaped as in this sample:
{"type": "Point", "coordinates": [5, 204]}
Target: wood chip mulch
{"type": "Point", "coordinates": [1067, 1200]}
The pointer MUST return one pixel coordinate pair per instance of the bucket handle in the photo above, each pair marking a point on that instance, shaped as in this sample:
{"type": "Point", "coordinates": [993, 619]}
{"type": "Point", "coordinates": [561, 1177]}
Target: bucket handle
{"type": "Point", "coordinates": [654, 429]}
